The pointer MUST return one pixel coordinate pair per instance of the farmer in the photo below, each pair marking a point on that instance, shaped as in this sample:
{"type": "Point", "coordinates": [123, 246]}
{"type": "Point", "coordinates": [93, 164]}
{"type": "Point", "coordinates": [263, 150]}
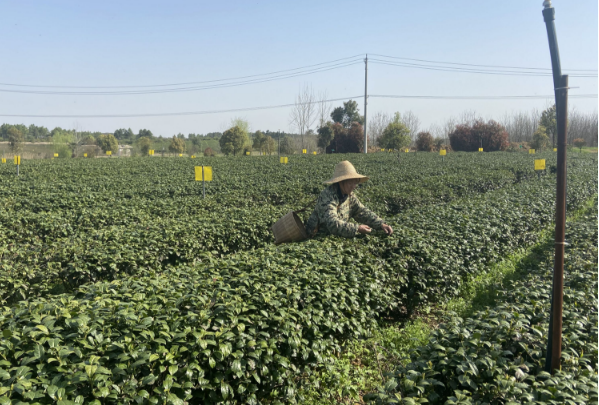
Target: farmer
{"type": "Point", "coordinates": [337, 204]}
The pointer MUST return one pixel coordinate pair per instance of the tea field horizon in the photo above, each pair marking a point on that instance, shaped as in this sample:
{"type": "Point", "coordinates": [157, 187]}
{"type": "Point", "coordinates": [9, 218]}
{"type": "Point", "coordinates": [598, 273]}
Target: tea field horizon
{"type": "Point", "coordinates": [120, 283]}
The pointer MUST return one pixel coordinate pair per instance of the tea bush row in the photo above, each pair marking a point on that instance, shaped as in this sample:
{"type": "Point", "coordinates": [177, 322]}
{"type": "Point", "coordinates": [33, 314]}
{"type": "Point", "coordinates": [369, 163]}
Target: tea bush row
{"type": "Point", "coordinates": [85, 225]}
{"type": "Point", "coordinates": [498, 354]}
{"type": "Point", "coordinates": [245, 327]}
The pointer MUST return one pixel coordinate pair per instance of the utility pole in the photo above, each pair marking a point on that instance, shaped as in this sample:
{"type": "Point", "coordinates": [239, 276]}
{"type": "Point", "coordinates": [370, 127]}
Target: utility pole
{"type": "Point", "coordinates": [279, 138]}
{"type": "Point", "coordinates": [365, 103]}
{"type": "Point", "coordinates": [549, 17]}
{"type": "Point", "coordinates": [560, 86]}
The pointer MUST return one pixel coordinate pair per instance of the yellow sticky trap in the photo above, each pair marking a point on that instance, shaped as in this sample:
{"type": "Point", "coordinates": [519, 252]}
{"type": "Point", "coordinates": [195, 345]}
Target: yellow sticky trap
{"type": "Point", "coordinates": [314, 153]}
{"type": "Point", "coordinates": [531, 151]}
{"type": "Point", "coordinates": [56, 155]}
{"type": "Point", "coordinates": [180, 154]}
{"type": "Point", "coordinates": [17, 160]}
{"type": "Point", "coordinates": [304, 151]}
{"type": "Point", "coordinates": [151, 152]}
{"type": "Point", "coordinates": [207, 173]}
{"type": "Point", "coordinates": [539, 164]}
{"type": "Point", "coordinates": [85, 155]}
{"type": "Point", "coordinates": [108, 152]}
{"type": "Point", "coordinates": [555, 149]}
{"type": "Point", "coordinates": [284, 160]}
{"type": "Point", "coordinates": [480, 149]}
{"type": "Point", "coordinates": [247, 153]}
{"type": "Point", "coordinates": [442, 152]}
{"type": "Point", "coordinates": [193, 156]}
{"type": "Point", "coordinates": [407, 150]}
{"type": "Point", "coordinates": [3, 160]}
{"type": "Point", "coordinates": [382, 149]}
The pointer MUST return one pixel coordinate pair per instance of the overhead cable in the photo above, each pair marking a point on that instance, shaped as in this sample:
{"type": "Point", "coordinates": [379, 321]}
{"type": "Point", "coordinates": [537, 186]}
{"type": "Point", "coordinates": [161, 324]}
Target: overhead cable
{"type": "Point", "coordinates": [470, 70]}
{"type": "Point", "coordinates": [480, 66]}
{"type": "Point", "coordinates": [191, 88]}
{"type": "Point", "coordinates": [287, 105]}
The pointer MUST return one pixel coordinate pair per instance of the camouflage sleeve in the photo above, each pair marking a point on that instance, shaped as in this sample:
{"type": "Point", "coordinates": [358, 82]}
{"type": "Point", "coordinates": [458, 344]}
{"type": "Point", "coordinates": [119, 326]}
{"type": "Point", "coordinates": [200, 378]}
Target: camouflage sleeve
{"type": "Point", "coordinates": [363, 215]}
{"type": "Point", "coordinates": [311, 224]}
{"type": "Point", "coordinates": [336, 225]}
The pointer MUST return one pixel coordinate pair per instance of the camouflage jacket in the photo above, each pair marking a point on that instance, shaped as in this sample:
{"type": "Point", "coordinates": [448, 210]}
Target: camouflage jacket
{"type": "Point", "coordinates": [334, 210]}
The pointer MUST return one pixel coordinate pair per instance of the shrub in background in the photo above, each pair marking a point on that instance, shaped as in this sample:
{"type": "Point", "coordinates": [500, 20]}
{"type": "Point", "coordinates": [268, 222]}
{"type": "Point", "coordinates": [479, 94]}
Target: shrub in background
{"type": "Point", "coordinates": [540, 139]}
{"type": "Point", "coordinates": [177, 145]}
{"type": "Point", "coordinates": [346, 140]}
{"type": "Point", "coordinates": [579, 143]}
{"type": "Point", "coordinates": [468, 137]}
{"type": "Point", "coordinates": [396, 135]}
{"type": "Point", "coordinates": [424, 142]}
{"type": "Point", "coordinates": [15, 140]}
{"type": "Point", "coordinates": [209, 152]}
{"type": "Point", "coordinates": [233, 140]}
{"type": "Point", "coordinates": [440, 143]}
{"type": "Point", "coordinates": [287, 146]}
{"type": "Point", "coordinates": [107, 142]}
{"type": "Point", "coordinates": [145, 144]}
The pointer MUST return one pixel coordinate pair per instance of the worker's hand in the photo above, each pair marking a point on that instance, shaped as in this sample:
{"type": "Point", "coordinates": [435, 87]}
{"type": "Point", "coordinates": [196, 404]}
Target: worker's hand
{"type": "Point", "coordinates": [387, 229]}
{"type": "Point", "coordinates": [364, 229]}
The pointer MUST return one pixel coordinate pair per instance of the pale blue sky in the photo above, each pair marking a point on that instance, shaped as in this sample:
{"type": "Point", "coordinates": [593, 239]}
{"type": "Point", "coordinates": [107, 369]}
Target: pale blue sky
{"type": "Point", "coordinates": [102, 43]}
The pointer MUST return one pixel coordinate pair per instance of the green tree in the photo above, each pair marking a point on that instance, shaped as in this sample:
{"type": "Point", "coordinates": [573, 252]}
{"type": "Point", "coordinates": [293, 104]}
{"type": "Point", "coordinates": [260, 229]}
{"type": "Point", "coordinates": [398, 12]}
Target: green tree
{"type": "Point", "coordinates": [286, 146]}
{"type": "Point", "coordinates": [325, 136]}
{"type": "Point", "coordinates": [177, 145]}
{"type": "Point", "coordinates": [269, 145]}
{"type": "Point", "coordinates": [145, 144]}
{"type": "Point", "coordinates": [36, 132]}
{"type": "Point", "coordinates": [396, 135]}
{"type": "Point", "coordinates": [347, 114]}
{"type": "Point", "coordinates": [227, 148]}
{"type": "Point", "coordinates": [62, 142]}
{"type": "Point", "coordinates": [4, 130]}
{"type": "Point", "coordinates": [15, 139]}
{"type": "Point", "coordinates": [56, 130]}
{"type": "Point", "coordinates": [123, 135]}
{"type": "Point", "coordinates": [259, 141]}
{"type": "Point", "coordinates": [540, 138]}
{"type": "Point", "coordinates": [233, 140]}
{"type": "Point", "coordinates": [242, 124]}
{"type": "Point", "coordinates": [107, 142]}
{"type": "Point", "coordinates": [145, 132]}
{"type": "Point", "coordinates": [88, 140]}
{"type": "Point", "coordinates": [549, 121]}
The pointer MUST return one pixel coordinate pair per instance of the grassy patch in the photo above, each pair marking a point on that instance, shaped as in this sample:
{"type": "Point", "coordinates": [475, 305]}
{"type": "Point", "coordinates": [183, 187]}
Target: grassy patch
{"type": "Point", "coordinates": [360, 367]}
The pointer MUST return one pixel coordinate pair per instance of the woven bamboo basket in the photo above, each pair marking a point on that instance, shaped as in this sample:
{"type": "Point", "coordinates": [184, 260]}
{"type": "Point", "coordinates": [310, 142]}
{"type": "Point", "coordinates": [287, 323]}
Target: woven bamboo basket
{"type": "Point", "coordinates": [289, 229]}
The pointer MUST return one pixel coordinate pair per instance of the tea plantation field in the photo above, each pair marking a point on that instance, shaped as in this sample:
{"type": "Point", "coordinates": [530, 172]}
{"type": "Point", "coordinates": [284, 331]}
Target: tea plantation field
{"type": "Point", "coordinates": [119, 283]}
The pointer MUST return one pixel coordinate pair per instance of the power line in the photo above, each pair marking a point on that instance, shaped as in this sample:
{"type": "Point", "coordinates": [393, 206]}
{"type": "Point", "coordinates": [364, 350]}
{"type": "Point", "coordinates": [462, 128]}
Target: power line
{"type": "Point", "coordinates": [291, 105]}
{"type": "Point", "coordinates": [186, 89]}
{"type": "Point", "coordinates": [486, 66]}
{"type": "Point", "coordinates": [535, 97]}
{"type": "Point", "coordinates": [184, 83]}
{"type": "Point", "coordinates": [470, 70]}
{"type": "Point", "coordinates": [294, 72]}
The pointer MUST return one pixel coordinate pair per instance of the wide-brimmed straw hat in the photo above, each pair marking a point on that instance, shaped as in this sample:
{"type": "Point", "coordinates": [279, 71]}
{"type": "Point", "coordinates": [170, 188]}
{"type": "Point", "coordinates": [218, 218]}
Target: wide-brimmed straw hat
{"type": "Point", "coordinates": [345, 171]}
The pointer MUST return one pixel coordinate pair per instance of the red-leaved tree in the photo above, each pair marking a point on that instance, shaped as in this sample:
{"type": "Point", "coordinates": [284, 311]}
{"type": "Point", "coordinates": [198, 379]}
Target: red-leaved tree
{"type": "Point", "coordinates": [468, 138]}
{"type": "Point", "coordinates": [347, 140]}
{"type": "Point", "coordinates": [424, 142]}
